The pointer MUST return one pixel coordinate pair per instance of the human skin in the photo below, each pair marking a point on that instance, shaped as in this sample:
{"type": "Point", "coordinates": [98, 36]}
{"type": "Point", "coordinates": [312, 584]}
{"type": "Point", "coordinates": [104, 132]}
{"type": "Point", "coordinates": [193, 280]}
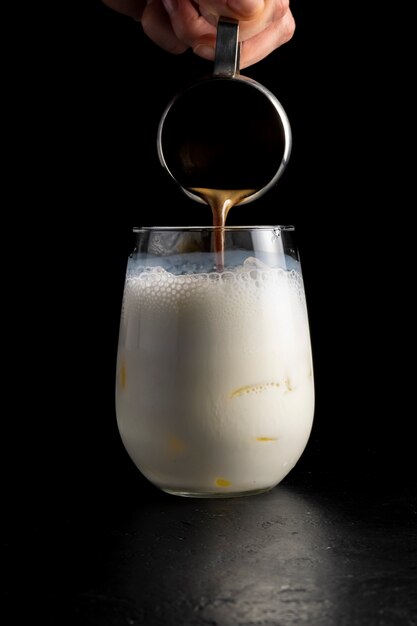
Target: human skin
{"type": "Point", "coordinates": [177, 25]}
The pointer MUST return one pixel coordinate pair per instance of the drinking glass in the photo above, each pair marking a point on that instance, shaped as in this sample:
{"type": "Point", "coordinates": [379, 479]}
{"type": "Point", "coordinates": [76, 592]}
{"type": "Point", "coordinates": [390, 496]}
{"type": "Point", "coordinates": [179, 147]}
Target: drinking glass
{"type": "Point", "coordinates": [214, 391]}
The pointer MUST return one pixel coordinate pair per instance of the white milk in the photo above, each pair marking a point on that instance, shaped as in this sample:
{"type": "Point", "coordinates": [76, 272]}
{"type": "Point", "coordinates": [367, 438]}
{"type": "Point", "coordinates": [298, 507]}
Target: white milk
{"type": "Point", "coordinates": [214, 378]}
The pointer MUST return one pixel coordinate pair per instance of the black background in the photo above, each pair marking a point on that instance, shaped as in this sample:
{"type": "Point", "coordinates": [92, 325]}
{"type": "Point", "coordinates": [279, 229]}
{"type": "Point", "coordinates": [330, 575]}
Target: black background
{"type": "Point", "coordinates": [95, 114]}
{"type": "Point", "coordinates": [92, 541]}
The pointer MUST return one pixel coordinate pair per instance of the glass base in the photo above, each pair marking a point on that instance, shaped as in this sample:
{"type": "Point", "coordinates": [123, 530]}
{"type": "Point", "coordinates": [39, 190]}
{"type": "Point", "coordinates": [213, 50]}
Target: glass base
{"type": "Point", "coordinates": [215, 494]}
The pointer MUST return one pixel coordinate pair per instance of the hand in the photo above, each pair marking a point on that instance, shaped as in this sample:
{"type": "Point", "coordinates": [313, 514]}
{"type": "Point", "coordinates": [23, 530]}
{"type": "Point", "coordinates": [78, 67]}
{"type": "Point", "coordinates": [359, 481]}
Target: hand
{"type": "Point", "coordinates": [176, 25]}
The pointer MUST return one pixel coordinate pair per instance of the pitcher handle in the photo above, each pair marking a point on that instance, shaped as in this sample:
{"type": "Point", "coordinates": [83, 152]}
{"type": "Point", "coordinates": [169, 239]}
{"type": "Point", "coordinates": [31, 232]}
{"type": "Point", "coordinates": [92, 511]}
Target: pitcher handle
{"type": "Point", "coordinates": [227, 56]}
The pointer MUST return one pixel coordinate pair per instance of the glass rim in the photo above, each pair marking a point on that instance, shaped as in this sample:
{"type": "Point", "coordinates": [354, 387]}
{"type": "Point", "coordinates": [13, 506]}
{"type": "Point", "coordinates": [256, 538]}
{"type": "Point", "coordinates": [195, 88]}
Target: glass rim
{"type": "Point", "coordinates": [144, 229]}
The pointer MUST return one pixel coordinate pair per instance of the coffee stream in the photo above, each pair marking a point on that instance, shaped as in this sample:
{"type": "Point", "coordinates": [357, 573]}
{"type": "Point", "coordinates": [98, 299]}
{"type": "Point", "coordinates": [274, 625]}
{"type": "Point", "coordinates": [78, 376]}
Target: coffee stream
{"type": "Point", "coordinates": [223, 140]}
{"type": "Point", "coordinates": [220, 202]}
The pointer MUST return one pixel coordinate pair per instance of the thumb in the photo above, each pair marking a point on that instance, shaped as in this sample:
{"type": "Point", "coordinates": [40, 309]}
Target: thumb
{"type": "Point", "coordinates": [238, 9]}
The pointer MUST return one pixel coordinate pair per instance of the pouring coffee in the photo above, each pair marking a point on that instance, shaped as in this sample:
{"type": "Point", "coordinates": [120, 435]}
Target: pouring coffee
{"type": "Point", "coordinates": [226, 139]}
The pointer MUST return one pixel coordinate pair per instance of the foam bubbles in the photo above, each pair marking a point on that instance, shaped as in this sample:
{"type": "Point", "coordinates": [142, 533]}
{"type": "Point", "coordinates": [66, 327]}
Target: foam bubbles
{"type": "Point", "coordinates": [247, 290]}
{"type": "Point", "coordinates": [252, 279]}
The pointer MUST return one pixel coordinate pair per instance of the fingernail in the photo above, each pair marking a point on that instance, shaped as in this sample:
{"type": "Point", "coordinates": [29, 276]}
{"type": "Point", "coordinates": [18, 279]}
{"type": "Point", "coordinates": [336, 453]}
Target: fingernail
{"type": "Point", "coordinates": [170, 6]}
{"type": "Point", "coordinates": [204, 51]}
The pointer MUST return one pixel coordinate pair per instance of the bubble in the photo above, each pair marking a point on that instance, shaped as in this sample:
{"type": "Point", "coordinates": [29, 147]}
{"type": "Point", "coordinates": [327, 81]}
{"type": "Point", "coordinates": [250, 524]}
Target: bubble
{"type": "Point", "coordinates": [227, 293]}
{"type": "Point", "coordinates": [254, 263]}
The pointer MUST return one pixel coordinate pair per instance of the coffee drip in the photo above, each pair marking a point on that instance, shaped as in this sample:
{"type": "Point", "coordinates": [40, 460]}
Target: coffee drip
{"type": "Point", "coordinates": [220, 202]}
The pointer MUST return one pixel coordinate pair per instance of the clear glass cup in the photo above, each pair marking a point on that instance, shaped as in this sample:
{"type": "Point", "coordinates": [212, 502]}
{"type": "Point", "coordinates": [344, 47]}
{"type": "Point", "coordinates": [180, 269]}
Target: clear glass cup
{"type": "Point", "coordinates": [214, 391]}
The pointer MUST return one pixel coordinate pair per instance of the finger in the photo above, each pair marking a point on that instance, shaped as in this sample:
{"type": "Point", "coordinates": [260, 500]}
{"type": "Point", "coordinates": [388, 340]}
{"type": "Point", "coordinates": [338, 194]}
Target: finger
{"type": "Point", "coordinates": [133, 8]}
{"type": "Point", "coordinates": [271, 11]}
{"type": "Point", "coordinates": [238, 9]}
{"type": "Point", "coordinates": [258, 47]}
{"type": "Point", "coordinates": [253, 15]}
{"type": "Point", "coordinates": [274, 10]}
{"type": "Point", "coordinates": [157, 26]}
{"type": "Point", "coordinates": [190, 27]}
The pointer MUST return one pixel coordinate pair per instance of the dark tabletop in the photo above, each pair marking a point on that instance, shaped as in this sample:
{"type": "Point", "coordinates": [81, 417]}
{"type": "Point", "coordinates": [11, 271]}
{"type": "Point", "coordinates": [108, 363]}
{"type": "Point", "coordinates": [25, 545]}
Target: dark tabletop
{"type": "Point", "coordinates": [318, 549]}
